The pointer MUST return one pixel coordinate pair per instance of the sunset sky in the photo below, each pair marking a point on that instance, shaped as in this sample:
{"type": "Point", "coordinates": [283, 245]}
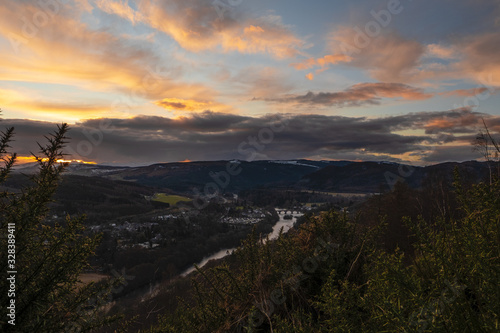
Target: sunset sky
{"type": "Point", "coordinates": [150, 81]}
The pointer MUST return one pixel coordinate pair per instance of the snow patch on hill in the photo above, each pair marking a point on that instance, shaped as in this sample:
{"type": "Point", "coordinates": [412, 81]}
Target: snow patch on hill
{"type": "Point", "coordinates": [292, 162]}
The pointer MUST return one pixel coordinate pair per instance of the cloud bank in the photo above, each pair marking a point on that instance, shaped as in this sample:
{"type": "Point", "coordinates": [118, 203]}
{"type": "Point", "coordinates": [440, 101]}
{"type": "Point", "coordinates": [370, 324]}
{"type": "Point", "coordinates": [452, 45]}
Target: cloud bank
{"type": "Point", "coordinates": [422, 136]}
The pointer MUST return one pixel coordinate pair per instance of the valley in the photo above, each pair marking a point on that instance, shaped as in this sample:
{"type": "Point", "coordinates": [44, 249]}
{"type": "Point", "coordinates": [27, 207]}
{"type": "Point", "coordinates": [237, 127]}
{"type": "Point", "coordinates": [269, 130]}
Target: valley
{"type": "Point", "coordinates": [154, 228]}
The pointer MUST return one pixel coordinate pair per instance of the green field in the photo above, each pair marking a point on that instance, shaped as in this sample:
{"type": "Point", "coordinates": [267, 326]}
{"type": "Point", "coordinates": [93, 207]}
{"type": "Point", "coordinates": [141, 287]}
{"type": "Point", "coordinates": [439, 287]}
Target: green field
{"type": "Point", "coordinates": [170, 199]}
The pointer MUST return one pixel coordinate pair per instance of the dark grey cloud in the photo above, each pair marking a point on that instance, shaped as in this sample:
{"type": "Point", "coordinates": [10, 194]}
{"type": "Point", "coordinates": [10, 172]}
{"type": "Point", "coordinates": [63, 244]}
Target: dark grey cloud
{"type": "Point", "coordinates": [356, 95]}
{"type": "Point", "coordinates": [446, 154]}
{"type": "Point", "coordinates": [215, 136]}
{"type": "Point", "coordinates": [206, 121]}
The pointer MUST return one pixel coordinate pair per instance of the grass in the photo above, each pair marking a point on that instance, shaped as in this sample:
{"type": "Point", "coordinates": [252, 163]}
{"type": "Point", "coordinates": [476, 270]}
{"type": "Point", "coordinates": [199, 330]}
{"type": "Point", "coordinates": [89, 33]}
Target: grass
{"type": "Point", "coordinates": [170, 199]}
{"type": "Point", "coordinates": [310, 204]}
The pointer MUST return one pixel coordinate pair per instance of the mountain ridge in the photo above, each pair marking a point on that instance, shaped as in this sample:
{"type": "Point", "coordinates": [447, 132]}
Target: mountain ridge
{"type": "Point", "coordinates": [334, 176]}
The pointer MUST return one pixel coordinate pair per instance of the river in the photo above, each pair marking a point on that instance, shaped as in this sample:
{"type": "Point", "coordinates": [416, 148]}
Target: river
{"type": "Point", "coordinates": [282, 223]}
{"type": "Point", "coordinates": [286, 224]}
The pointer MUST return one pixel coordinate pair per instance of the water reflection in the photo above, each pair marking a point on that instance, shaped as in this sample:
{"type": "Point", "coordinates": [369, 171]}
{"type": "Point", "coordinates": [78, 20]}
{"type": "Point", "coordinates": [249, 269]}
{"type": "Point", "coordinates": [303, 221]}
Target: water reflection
{"type": "Point", "coordinates": [283, 222]}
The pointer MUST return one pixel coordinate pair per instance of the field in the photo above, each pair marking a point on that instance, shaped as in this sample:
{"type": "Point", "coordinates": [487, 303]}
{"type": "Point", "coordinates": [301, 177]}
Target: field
{"type": "Point", "coordinates": [170, 199]}
{"type": "Point", "coordinates": [86, 278]}
{"type": "Point", "coordinates": [342, 194]}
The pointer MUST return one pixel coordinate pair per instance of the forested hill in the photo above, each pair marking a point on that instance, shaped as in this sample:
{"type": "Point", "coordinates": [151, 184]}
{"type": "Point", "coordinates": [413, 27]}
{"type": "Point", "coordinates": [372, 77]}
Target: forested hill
{"type": "Point", "coordinates": [332, 176]}
{"type": "Point", "coordinates": [372, 177]}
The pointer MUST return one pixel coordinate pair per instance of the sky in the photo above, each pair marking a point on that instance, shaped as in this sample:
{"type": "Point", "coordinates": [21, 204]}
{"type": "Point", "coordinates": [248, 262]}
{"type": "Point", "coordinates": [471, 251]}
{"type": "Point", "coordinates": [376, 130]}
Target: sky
{"type": "Point", "coordinates": [151, 81]}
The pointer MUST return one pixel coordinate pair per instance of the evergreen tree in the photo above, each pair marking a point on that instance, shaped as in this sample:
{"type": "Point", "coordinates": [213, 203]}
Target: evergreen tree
{"type": "Point", "coordinates": [43, 260]}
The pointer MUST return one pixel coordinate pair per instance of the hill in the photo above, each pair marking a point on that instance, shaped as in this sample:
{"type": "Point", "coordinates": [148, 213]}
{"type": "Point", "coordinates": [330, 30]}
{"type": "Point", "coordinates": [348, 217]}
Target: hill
{"type": "Point", "coordinates": [330, 176]}
{"type": "Point", "coordinates": [372, 177]}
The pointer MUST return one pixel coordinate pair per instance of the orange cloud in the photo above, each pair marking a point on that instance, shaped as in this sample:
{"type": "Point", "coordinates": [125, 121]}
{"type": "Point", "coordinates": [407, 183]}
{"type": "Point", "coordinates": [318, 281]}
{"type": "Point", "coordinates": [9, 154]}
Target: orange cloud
{"type": "Point", "coordinates": [465, 92]}
{"type": "Point", "coordinates": [196, 26]}
{"type": "Point", "coordinates": [356, 95]}
{"type": "Point", "coordinates": [306, 64]}
{"type": "Point", "coordinates": [36, 105]}
{"type": "Point", "coordinates": [9, 96]}
{"type": "Point", "coordinates": [120, 8]}
{"type": "Point", "coordinates": [187, 105]}
{"type": "Point", "coordinates": [322, 62]}
{"type": "Point", "coordinates": [439, 124]}
{"type": "Point", "coordinates": [481, 61]}
{"type": "Point", "coordinates": [391, 90]}
{"type": "Point", "coordinates": [333, 59]}
{"type": "Point", "coordinates": [272, 39]}
{"type": "Point", "coordinates": [459, 121]}
{"type": "Point", "coordinates": [390, 57]}
{"type": "Point", "coordinates": [310, 76]}
{"type": "Point", "coordinates": [262, 82]}
{"type": "Point", "coordinates": [67, 51]}
{"type": "Point", "coordinates": [387, 57]}
{"type": "Point", "coordinates": [440, 51]}
{"type": "Point", "coordinates": [253, 29]}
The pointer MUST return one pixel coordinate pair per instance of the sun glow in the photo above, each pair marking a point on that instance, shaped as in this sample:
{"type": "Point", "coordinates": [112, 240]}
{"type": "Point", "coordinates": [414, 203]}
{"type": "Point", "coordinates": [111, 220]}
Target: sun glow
{"type": "Point", "coordinates": [72, 161]}
{"type": "Point", "coordinates": [32, 159]}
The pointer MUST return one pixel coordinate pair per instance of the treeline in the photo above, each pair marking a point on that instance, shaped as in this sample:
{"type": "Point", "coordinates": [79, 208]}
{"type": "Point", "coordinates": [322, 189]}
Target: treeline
{"type": "Point", "coordinates": [290, 198]}
{"type": "Point", "coordinates": [436, 198]}
{"type": "Point", "coordinates": [100, 199]}
{"type": "Point", "coordinates": [435, 270]}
